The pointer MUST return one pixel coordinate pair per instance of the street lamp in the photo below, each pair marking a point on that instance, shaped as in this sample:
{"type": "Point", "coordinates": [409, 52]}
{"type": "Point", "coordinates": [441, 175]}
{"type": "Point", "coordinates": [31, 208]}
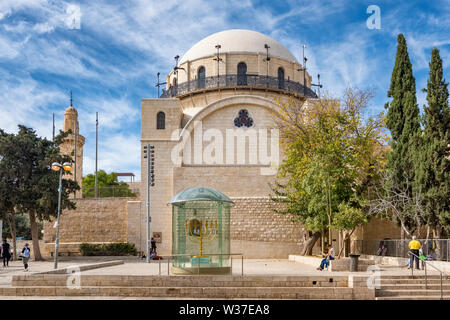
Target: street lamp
{"type": "Point", "coordinates": [66, 166]}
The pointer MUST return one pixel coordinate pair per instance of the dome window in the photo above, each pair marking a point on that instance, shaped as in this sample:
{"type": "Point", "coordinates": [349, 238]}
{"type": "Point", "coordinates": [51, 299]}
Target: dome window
{"type": "Point", "coordinates": [242, 74]}
{"type": "Point", "coordinates": [201, 77]}
{"type": "Point", "coordinates": [160, 121]}
{"type": "Point", "coordinates": [280, 78]}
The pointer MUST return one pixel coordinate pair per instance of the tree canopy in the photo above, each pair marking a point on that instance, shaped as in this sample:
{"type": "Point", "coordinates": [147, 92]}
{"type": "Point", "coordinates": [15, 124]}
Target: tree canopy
{"type": "Point", "coordinates": [108, 186]}
{"type": "Point", "coordinates": [26, 176]}
{"type": "Point", "coordinates": [432, 179]}
{"type": "Point", "coordinates": [333, 155]}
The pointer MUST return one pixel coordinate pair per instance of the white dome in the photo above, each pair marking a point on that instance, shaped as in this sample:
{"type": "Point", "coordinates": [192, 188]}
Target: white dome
{"type": "Point", "coordinates": [237, 41]}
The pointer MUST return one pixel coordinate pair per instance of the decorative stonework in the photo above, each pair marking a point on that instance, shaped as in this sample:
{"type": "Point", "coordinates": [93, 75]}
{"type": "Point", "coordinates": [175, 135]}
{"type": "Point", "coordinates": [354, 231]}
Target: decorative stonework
{"type": "Point", "coordinates": [243, 119]}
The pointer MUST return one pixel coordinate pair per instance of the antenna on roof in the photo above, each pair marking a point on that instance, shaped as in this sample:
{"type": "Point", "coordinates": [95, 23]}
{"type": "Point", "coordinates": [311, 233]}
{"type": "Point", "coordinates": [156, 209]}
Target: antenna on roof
{"type": "Point", "coordinates": [267, 59]}
{"type": "Point", "coordinates": [318, 85]}
{"type": "Point", "coordinates": [159, 84]}
{"type": "Point", "coordinates": [218, 59]}
{"type": "Point", "coordinates": [304, 70]}
{"type": "Point", "coordinates": [176, 68]}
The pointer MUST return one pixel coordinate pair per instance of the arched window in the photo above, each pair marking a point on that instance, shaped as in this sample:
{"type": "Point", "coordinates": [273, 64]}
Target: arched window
{"type": "Point", "coordinates": [280, 78]}
{"type": "Point", "coordinates": [242, 74]}
{"type": "Point", "coordinates": [161, 120]}
{"type": "Point", "coordinates": [174, 82]}
{"type": "Point", "coordinates": [201, 77]}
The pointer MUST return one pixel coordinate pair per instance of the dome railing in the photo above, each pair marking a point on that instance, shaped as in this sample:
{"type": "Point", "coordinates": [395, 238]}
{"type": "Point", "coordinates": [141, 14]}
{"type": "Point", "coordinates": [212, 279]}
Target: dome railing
{"type": "Point", "coordinates": [235, 80]}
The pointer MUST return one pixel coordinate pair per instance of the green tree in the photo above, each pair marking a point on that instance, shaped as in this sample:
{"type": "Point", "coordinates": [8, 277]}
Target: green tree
{"type": "Point", "coordinates": [8, 192]}
{"type": "Point", "coordinates": [108, 186]}
{"type": "Point", "coordinates": [25, 163]}
{"type": "Point", "coordinates": [403, 121]}
{"type": "Point", "coordinates": [433, 174]}
{"type": "Point", "coordinates": [23, 229]}
{"type": "Point", "coordinates": [331, 158]}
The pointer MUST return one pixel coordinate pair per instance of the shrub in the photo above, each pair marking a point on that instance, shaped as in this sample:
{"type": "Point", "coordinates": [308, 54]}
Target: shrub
{"type": "Point", "coordinates": [108, 249]}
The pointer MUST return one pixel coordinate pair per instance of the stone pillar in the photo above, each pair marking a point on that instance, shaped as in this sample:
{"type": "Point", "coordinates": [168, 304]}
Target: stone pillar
{"type": "Point", "coordinates": [68, 145]}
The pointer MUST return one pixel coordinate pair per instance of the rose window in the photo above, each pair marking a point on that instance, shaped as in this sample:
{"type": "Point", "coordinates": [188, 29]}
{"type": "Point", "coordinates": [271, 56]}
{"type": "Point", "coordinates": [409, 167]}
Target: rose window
{"type": "Point", "coordinates": [243, 119]}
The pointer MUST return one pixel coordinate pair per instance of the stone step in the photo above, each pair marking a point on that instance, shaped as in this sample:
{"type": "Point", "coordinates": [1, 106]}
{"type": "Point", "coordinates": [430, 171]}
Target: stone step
{"type": "Point", "coordinates": [413, 281]}
{"type": "Point", "coordinates": [413, 298]}
{"type": "Point", "coordinates": [408, 276]}
{"type": "Point", "coordinates": [192, 292]}
{"type": "Point", "coordinates": [409, 292]}
{"type": "Point", "coordinates": [414, 286]}
{"type": "Point", "coordinates": [180, 281]}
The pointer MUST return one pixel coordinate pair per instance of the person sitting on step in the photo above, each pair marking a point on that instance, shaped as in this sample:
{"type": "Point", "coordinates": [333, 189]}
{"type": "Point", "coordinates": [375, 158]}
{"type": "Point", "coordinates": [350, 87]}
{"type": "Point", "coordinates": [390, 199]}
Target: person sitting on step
{"type": "Point", "coordinates": [326, 261]}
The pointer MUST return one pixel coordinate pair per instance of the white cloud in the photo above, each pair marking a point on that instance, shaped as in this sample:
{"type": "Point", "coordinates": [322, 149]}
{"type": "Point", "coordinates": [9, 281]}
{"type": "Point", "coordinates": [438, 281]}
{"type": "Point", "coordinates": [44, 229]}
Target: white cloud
{"type": "Point", "coordinates": [23, 101]}
{"type": "Point", "coordinates": [149, 34]}
{"type": "Point", "coordinates": [118, 153]}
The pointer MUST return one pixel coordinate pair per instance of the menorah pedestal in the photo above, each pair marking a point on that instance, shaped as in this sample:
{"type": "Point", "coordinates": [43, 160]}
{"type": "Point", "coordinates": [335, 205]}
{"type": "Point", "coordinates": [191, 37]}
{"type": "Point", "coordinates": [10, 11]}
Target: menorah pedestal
{"type": "Point", "coordinates": [195, 260]}
{"type": "Point", "coordinates": [202, 270]}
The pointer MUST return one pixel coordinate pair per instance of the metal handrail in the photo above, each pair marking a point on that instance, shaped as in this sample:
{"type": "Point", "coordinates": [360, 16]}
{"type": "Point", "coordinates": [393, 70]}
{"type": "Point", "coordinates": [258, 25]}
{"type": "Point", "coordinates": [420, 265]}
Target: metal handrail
{"type": "Point", "coordinates": [235, 80]}
{"type": "Point", "coordinates": [206, 254]}
{"type": "Point", "coordinates": [425, 262]}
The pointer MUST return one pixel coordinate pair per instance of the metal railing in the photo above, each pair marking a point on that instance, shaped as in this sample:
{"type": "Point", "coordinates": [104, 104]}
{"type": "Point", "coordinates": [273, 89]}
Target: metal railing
{"type": "Point", "coordinates": [234, 80]}
{"type": "Point", "coordinates": [425, 263]}
{"type": "Point", "coordinates": [439, 250]}
{"type": "Point", "coordinates": [169, 257]}
{"type": "Point", "coordinates": [109, 192]}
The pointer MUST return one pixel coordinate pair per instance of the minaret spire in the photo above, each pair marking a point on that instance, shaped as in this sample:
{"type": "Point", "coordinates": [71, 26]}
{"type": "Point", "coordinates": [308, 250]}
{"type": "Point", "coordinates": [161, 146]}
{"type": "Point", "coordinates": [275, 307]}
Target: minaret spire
{"type": "Point", "coordinates": [71, 98]}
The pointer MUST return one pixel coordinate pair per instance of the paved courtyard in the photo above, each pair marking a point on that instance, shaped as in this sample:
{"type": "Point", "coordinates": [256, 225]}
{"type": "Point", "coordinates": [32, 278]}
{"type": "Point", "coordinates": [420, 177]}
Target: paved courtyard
{"type": "Point", "coordinates": [139, 267]}
{"type": "Point", "coordinates": [135, 266]}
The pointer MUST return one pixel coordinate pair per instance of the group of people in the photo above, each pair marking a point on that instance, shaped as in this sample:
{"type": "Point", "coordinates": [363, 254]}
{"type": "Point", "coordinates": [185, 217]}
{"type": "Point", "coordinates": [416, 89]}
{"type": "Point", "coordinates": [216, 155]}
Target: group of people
{"type": "Point", "coordinates": [5, 251]}
{"type": "Point", "coordinates": [153, 255]}
{"type": "Point", "coordinates": [415, 248]}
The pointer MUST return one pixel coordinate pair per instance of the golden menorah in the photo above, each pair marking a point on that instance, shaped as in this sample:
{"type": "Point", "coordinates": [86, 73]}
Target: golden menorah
{"type": "Point", "coordinates": [200, 232]}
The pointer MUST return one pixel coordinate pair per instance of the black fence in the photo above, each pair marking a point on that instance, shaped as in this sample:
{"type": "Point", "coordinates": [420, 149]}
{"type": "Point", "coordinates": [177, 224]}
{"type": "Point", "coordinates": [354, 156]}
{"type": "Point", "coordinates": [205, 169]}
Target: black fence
{"type": "Point", "coordinates": [234, 80]}
{"type": "Point", "coordinates": [435, 249]}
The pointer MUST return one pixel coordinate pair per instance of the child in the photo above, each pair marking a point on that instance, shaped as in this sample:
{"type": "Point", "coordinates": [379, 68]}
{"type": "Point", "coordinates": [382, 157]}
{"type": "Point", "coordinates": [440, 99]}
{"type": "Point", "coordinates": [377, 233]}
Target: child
{"type": "Point", "coordinates": [25, 256]}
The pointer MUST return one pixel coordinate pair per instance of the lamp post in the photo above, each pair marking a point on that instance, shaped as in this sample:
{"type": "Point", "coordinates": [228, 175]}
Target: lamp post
{"type": "Point", "coordinates": [59, 167]}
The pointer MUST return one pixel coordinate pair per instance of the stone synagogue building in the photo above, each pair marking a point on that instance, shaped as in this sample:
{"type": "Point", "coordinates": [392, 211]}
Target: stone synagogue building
{"type": "Point", "coordinates": [212, 127]}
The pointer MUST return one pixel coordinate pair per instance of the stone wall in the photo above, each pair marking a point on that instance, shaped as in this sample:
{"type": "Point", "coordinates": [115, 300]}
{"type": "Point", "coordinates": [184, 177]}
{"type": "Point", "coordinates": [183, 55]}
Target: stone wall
{"type": "Point", "coordinates": [253, 219]}
{"type": "Point", "coordinates": [94, 220]}
{"type": "Point", "coordinates": [258, 232]}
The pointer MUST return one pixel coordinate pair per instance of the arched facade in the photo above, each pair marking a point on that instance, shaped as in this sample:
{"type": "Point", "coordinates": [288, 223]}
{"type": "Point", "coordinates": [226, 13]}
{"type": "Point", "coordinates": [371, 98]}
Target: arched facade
{"type": "Point", "coordinates": [220, 134]}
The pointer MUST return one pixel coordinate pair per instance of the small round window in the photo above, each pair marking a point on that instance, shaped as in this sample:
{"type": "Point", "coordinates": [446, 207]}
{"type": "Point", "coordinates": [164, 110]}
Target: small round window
{"type": "Point", "coordinates": [243, 119]}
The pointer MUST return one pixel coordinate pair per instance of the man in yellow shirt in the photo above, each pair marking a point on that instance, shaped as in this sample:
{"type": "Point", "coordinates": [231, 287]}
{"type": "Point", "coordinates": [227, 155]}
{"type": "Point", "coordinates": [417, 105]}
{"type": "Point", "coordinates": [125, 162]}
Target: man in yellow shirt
{"type": "Point", "coordinates": [414, 246]}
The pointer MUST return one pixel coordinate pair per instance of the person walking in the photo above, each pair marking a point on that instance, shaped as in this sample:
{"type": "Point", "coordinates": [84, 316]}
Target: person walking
{"type": "Point", "coordinates": [26, 256]}
{"type": "Point", "coordinates": [414, 247]}
{"type": "Point", "coordinates": [153, 247]}
{"type": "Point", "coordinates": [6, 253]}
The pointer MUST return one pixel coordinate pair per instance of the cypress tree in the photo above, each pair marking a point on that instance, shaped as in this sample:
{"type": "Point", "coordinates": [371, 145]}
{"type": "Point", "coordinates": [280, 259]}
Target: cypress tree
{"type": "Point", "coordinates": [433, 174]}
{"type": "Point", "coordinates": [403, 121]}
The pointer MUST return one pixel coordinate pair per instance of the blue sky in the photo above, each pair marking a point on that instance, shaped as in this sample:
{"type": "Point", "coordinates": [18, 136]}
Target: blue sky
{"type": "Point", "coordinates": [111, 61]}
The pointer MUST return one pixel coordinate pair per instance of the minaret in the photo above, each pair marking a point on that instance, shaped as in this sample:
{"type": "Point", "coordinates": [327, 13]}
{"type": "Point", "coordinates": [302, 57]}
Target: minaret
{"type": "Point", "coordinates": [68, 145]}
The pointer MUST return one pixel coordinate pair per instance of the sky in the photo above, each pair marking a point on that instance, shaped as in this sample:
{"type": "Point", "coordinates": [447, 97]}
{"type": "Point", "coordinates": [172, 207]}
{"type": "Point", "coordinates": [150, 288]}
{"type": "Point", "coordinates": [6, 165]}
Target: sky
{"type": "Point", "coordinates": [109, 52]}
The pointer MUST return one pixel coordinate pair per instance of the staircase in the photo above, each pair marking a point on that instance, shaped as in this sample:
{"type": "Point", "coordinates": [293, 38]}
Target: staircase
{"type": "Point", "coordinates": [403, 287]}
{"type": "Point", "coordinates": [192, 287]}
